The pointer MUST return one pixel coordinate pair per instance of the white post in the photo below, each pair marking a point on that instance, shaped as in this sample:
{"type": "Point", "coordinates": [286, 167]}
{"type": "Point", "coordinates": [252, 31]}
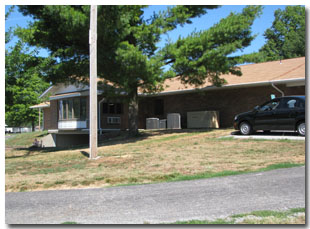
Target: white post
{"type": "Point", "coordinates": [93, 141]}
{"type": "Point", "coordinates": [39, 119]}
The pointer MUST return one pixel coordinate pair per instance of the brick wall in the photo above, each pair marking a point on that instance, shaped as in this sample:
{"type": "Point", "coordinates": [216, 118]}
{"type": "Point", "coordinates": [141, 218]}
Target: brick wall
{"type": "Point", "coordinates": [51, 116]}
{"type": "Point", "coordinates": [124, 116]}
{"type": "Point", "coordinates": [47, 118]}
{"type": "Point", "coordinates": [228, 102]}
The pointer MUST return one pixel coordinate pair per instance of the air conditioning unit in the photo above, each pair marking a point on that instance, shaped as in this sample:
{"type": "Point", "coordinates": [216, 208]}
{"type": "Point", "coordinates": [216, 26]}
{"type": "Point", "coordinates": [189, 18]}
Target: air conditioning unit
{"type": "Point", "coordinates": [114, 120]}
{"type": "Point", "coordinates": [163, 124]}
{"type": "Point", "coordinates": [152, 123]}
{"type": "Point", "coordinates": [203, 119]}
{"type": "Point", "coordinates": [173, 121]}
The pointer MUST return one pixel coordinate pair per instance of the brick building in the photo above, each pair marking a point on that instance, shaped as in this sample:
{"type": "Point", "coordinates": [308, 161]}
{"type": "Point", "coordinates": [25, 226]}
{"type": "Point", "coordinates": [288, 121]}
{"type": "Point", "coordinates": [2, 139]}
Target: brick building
{"type": "Point", "coordinates": [68, 111]}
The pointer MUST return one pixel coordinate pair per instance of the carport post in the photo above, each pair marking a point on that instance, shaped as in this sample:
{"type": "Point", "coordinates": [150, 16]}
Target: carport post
{"type": "Point", "coordinates": [39, 119]}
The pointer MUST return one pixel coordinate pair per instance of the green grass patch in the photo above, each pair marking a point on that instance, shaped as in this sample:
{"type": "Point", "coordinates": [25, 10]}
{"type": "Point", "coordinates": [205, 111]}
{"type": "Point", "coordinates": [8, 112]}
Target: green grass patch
{"type": "Point", "coordinates": [59, 182]}
{"type": "Point", "coordinates": [24, 139]}
{"type": "Point", "coordinates": [280, 166]}
{"type": "Point", "coordinates": [86, 182]}
{"type": "Point", "coordinates": [79, 166]}
{"type": "Point", "coordinates": [48, 170]}
{"type": "Point", "coordinates": [23, 189]}
{"type": "Point", "coordinates": [99, 178]}
{"type": "Point", "coordinates": [265, 216]}
{"type": "Point", "coordinates": [69, 222]}
{"type": "Point", "coordinates": [179, 177]}
{"type": "Point", "coordinates": [218, 221]}
{"type": "Point", "coordinates": [173, 137]}
{"type": "Point", "coordinates": [267, 213]}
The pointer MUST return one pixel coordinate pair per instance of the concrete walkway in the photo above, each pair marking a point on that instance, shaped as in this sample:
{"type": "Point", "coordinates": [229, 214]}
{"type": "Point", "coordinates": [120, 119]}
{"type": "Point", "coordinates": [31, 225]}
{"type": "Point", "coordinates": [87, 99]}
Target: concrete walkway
{"type": "Point", "coordinates": [209, 199]}
{"type": "Point", "coordinates": [274, 135]}
{"type": "Point", "coordinates": [269, 137]}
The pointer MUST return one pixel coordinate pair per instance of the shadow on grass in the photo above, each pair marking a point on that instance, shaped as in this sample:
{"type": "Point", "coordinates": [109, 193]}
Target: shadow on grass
{"type": "Point", "coordinates": [123, 138]}
{"type": "Point", "coordinates": [107, 139]}
{"type": "Point", "coordinates": [84, 153]}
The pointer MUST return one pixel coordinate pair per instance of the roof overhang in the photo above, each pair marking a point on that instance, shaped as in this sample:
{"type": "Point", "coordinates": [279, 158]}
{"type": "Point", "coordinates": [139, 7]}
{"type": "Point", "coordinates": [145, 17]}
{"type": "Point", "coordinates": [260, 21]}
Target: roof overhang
{"type": "Point", "coordinates": [288, 83]}
{"type": "Point", "coordinates": [41, 105]}
{"type": "Point", "coordinates": [66, 95]}
{"type": "Point", "coordinates": [73, 94]}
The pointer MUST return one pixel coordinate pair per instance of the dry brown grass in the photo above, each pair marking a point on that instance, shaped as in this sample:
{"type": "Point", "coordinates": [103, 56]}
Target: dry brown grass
{"type": "Point", "coordinates": [158, 157]}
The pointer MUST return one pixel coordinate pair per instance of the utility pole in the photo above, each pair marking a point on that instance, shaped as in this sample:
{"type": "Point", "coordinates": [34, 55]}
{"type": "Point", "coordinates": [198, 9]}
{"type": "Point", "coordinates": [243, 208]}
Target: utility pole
{"type": "Point", "coordinates": [93, 139]}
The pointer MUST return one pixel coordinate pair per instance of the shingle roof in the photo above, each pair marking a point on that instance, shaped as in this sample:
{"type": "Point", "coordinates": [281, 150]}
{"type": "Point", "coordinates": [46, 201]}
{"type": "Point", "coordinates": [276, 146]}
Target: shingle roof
{"type": "Point", "coordinates": [252, 73]}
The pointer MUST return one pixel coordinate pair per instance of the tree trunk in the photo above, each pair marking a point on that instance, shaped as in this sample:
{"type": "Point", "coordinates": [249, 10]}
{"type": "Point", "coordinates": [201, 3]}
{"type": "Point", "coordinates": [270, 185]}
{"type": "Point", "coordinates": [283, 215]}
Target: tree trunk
{"type": "Point", "coordinates": [133, 114]}
{"type": "Point", "coordinates": [33, 125]}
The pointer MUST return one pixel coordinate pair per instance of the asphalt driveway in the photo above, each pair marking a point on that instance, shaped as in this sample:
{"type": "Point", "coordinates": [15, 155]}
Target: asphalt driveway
{"type": "Point", "coordinates": [159, 203]}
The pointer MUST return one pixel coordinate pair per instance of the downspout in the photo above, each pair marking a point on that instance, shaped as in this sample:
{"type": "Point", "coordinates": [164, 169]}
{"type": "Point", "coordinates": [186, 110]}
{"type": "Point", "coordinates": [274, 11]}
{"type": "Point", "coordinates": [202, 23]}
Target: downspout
{"type": "Point", "coordinates": [274, 86]}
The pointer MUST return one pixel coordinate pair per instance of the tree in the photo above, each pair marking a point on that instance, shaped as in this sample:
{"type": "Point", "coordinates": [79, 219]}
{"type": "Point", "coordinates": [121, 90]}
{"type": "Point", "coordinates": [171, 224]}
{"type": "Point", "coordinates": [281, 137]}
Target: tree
{"type": "Point", "coordinates": [23, 84]}
{"type": "Point", "coordinates": [127, 52]}
{"type": "Point", "coordinates": [285, 38]}
{"type": "Point", "coordinates": [208, 54]}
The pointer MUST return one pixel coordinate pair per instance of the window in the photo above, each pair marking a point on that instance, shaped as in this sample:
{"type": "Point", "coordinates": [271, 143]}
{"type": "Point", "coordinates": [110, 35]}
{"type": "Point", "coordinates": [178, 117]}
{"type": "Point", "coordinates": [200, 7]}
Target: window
{"type": "Point", "coordinates": [74, 108]}
{"type": "Point", "coordinates": [65, 109]}
{"type": "Point", "coordinates": [270, 105]}
{"type": "Point", "coordinates": [83, 109]}
{"type": "Point", "coordinates": [159, 107]}
{"type": "Point", "coordinates": [112, 108]}
{"type": "Point", "coordinates": [291, 104]}
{"type": "Point", "coordinates": [301, 104]}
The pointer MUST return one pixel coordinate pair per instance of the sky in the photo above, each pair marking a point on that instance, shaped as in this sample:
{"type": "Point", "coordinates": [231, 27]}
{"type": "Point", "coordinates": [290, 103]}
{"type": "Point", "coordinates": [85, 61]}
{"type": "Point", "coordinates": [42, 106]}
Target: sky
{"type": "Point", "coordinates": [202, 23]}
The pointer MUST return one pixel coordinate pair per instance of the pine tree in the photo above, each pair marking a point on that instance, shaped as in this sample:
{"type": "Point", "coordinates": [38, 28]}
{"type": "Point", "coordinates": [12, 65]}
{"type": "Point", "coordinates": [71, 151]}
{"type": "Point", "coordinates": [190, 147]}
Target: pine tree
{"type": "Point", "coordinates": [128, 55]}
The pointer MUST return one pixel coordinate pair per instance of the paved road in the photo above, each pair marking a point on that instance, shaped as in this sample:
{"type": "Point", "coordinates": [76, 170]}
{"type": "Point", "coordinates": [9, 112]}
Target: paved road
{"type": "Point", "coordinates": [166, 202]}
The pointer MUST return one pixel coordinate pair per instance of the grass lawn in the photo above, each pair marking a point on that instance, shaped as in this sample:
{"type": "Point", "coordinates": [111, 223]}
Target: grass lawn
{"type": "Point", "coordinates": [292, 216]}
{"type": "Point", "coordinates": [23, 140]}
{"type": "Point", "coordinates": [156, 156]}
